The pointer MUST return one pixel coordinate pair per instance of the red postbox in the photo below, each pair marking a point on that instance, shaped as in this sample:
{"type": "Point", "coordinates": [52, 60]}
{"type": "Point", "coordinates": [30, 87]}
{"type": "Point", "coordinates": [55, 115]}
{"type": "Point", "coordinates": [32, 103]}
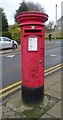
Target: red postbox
{"type": "Point", "coordinates": [32, 46]}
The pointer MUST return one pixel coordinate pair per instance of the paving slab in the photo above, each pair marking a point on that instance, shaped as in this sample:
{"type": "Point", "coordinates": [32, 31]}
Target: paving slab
{"type": "Point", "coordinates": [53, 85]}
{"type": "Point", "coordinates": [56, 110]}
{"type": "Point", "coordinates": [13, 107]}
{"type": "Point", "coordinates": [46, 116]}
{"type": "Point", "coordinates": [52, 80]}
{"type": "Point", "coordinates": [0, 111]}
{"type": "Point", "coordinates": [56, 87]}
{"type": "Point", "coordinates": [53, 93]}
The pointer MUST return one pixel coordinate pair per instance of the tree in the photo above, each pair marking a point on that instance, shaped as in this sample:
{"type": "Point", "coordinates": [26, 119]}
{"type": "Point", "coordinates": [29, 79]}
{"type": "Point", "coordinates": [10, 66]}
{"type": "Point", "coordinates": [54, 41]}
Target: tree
{"type": "Point", "coordinates": [15, 31]}
{"type": "Point", "coordinates": [4, 20]}
{"type": "Point", "coordinates": [23, 7]}
{"type": "Point", "coordinates": [50, 27]}
{"type": "Point", "coordinates": [29, 6]}
{"type": "Point", "coordinates": [35, 7]}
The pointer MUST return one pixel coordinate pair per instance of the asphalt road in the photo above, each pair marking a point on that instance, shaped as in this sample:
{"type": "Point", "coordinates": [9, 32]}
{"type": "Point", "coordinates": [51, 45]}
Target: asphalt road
{"type": "Point", "coordinates": [11, 64]}
{"type": "Point", "coordinates": [52, 55]}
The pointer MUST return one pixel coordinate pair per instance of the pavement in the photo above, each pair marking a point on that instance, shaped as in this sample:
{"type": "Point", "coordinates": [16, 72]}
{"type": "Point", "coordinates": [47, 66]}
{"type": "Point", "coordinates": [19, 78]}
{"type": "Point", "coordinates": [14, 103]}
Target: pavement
{"type": "Point", "coordinates": [14, 108]}
{"type": "Point", "coordinates": [47, 43]}
{"type": "Point", "coordinates": [7, 51]}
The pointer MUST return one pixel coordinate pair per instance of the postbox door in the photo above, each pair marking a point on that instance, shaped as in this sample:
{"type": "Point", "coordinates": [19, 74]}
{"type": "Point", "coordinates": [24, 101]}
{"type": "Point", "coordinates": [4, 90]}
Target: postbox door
{"type": "Point", "coordinates": [33, 61]}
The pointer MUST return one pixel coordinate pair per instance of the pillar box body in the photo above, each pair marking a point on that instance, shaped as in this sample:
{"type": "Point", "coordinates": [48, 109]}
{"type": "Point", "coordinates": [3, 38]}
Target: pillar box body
{"type": "Point", "coordinates": [32, 46]}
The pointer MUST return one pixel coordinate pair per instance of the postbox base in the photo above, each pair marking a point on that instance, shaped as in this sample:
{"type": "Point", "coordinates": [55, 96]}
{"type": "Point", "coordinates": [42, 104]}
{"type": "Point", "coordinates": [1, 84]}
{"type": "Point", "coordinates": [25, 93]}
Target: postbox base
{"type": "Point", "coordinates": [32, 95]}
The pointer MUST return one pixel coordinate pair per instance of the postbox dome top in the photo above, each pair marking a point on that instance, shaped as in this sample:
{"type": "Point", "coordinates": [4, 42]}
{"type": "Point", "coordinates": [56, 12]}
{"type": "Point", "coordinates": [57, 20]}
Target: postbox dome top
{"type": "Point", "coordinates": [29, 14]}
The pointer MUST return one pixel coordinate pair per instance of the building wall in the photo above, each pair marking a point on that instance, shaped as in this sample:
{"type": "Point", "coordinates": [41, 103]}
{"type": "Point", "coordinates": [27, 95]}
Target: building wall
{"type": "Point", "coordinates": [61, 16]}
{"type": "Point", "coordinates": [60, 21]}
{"type": "Point", "coordinates": [60, 25]}
{"type": "Point", "coordinates": [62, 8]}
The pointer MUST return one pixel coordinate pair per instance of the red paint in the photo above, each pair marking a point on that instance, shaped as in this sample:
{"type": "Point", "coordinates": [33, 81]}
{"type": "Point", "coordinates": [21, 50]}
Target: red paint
{"type": "Point", "coordinates": [32, 68]}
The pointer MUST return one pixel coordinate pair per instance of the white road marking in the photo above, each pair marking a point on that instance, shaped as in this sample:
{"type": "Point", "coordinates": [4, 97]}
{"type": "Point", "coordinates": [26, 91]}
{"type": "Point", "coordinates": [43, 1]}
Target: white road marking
{"type": "Point", "coordinates": [10, 56]}
{"type": "Point", "coordinates": [53, 55]}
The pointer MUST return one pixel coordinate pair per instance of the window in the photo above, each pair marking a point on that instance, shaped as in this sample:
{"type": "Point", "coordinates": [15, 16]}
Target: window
{"type": "Point", "coordinates": [6, 39]}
